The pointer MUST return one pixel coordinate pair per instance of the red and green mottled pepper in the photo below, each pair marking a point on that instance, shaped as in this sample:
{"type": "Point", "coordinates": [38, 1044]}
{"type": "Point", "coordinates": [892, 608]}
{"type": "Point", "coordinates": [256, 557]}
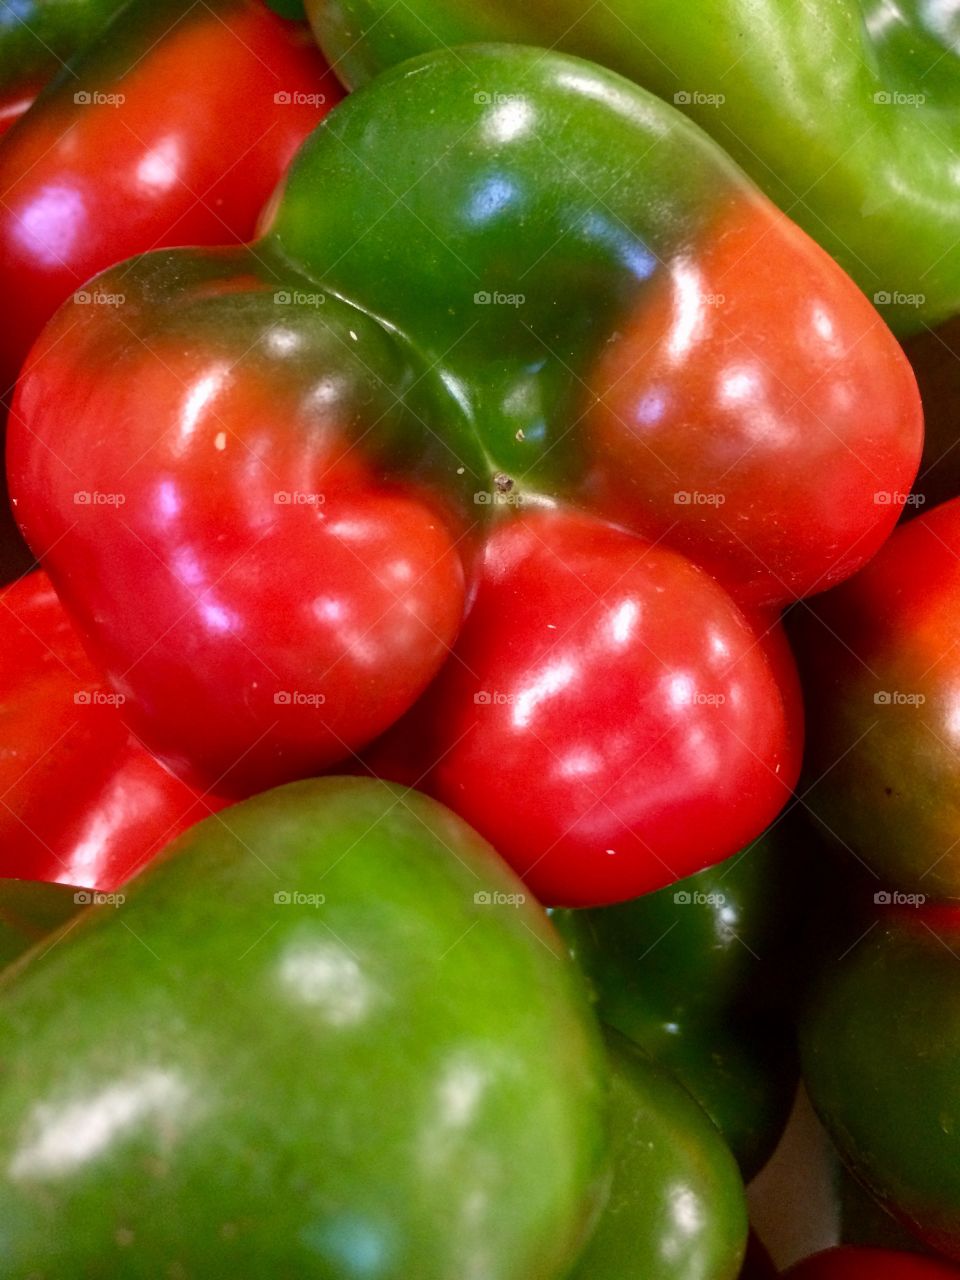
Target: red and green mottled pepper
{"type": "Point", "coordinates": [520, 356]}
{"type": "Point", "coordinates": [846, 112]}
{"type": "Point", "coordinates": [881, 666]}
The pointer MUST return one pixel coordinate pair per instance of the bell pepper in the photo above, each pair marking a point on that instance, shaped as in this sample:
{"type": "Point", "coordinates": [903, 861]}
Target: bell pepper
{"type": "Point", "coordinates": [881, 667]}
{"type": "Point", "coordinates": [172, 127]}
{"type": "Point", "coordinates": [871, 176]}
{"type": "Point", "coordinates": [699, 975]}
{"type": "Point", "coordinates": [676, 1205]}
{"type": "Point", "coordinates": [328, 1035]}
{"type": "Point", "coordinates": [38, 36]}
{"type": "Point", "coordinates": [880, 1047]}
{"type": "Point", "coordinates": [871, 1264]}
{"type": "Point", "coordinates": [520, 362]}
{"type": "Point", "coordinates": [81, 800]}
{"type": "Point", "coordinates": [31, 912]}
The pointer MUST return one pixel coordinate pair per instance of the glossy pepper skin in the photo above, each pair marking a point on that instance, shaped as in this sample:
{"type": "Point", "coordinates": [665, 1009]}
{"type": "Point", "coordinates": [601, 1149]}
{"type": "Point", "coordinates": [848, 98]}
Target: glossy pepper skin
{"type": "Point", "coordinates": [872, 179]}
{"type": "Point", "coordinates": [676, 1205]}
{"type": "Point", "coordinates": [83, 802]}
{"type": "Point", "coordinates": [699, 975]}
{"type": "Point", "coordinates": [881, 667]}
{"type": "Point", "coordinates": [335, 458]}
{"type": "Point", "coordinates": [304, 1045]}
{"type": "Point", "coordinates": [871, 1264]}
{"type": "Point", "coordinates": [193, 166]}
{"type": "Point", "coordinates": [880, 1044]}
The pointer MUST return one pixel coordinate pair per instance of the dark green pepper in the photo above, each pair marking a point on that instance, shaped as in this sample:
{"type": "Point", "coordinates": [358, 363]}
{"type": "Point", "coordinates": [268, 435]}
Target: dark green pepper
{"type": "Point", "coordinates": [676, 1208]}
{"type": "Point", "coordinates": [37, 37]}
{"type": "Point", "coordinates": [880, 1046]}
{"type": "Point", "coordinates": [698, 974]}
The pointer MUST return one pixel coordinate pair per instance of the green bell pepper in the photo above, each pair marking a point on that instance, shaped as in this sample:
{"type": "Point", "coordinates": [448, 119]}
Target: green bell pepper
{"type": "Point", "coordinates": [880, 1047]}
{"type": "Point", "coordinates": [846, 113]}
{"type": "Point", "coordinates": [38, 36]}
{"type": "Point", "coordinates": [699, 975]}
{"type": "Point", "coordinates": [306, 1044]}
{"type": "Point", "coordinates": [31, 910]}
{"type": "Point", "coordinates": [676, 1208]}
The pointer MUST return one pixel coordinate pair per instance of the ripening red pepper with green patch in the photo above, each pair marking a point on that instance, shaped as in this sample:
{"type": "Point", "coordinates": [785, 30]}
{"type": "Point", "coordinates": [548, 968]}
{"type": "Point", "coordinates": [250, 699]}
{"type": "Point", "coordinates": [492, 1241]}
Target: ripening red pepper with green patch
{"type": "Point", "coordinates": [526, 394]}
{"type": "Point", "coordinates": [881, 667]}
{"type": "Point", "coordinates": [171, 127]}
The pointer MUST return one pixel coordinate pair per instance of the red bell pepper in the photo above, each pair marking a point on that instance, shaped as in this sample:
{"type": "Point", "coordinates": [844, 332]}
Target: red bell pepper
{"type": "Point", "coordinates": [173, 128]}
{"type": "Point", "coordinates": [82, 802]}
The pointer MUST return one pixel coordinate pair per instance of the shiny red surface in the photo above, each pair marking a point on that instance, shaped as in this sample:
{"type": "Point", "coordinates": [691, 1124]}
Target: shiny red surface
{"type": "Point", "coordinates": [609, 720]}
{"type": "Point", "coordinates": [278, 637]}
{"type": "Point", "coordinates": [189, 156]}
{"type": "Point", "coordinates": [732, 419]}
{"type": "Point", "coordinates": [81, 801]}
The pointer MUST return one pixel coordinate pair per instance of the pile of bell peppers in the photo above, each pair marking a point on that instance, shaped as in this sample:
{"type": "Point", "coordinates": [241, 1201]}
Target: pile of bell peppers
{"type": "Point", "coordinates": [479, 659]}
